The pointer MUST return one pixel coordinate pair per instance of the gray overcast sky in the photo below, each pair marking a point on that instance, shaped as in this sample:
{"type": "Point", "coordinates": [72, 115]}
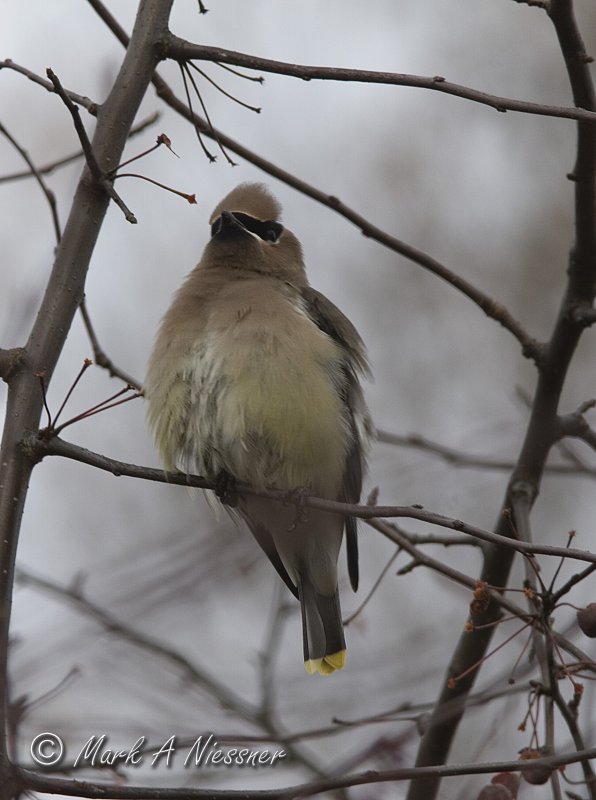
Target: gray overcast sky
{"type": "Point", "coordinates": [484, 193]}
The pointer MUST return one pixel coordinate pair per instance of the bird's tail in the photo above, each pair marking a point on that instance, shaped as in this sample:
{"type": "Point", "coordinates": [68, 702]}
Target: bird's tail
{"type": "Point", "coordinates": [322, 630]}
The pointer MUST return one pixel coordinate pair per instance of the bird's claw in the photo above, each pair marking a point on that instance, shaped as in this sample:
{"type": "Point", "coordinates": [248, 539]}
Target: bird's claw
{"type": "Point", "coordinates": [225, 488]}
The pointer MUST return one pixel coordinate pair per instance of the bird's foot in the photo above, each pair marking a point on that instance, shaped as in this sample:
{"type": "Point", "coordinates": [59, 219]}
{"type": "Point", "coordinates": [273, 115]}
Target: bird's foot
{"type": "Point", "coordinates": [297, 497]}
{"type": "Point", "coordinates": [225, 489]}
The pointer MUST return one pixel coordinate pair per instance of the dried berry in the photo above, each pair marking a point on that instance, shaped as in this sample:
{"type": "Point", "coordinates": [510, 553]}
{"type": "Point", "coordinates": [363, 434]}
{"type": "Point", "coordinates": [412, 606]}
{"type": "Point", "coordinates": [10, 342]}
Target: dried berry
{"type": "Point", "coordinates": [586, 619]}
{"type": "Point", "coordinates": [508, 779]}
{"type": "Point", "coordinates": [481, 599]}
{"type": "Point", "coordinates": [538, 774]}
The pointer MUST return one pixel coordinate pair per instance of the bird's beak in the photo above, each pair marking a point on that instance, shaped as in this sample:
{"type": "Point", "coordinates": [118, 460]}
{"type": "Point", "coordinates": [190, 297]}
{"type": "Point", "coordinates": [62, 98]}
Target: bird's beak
{"type": "Point", "coordinates": [226, 222]}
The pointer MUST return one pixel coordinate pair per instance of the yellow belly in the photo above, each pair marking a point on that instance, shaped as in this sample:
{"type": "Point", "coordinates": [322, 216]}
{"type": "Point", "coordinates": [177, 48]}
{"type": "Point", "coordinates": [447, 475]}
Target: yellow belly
{"type": "Point", "coordinates": [280, 419]}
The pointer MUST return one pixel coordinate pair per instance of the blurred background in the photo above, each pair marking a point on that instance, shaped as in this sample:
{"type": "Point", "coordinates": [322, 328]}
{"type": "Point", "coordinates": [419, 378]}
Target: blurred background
{"type": "Point", "coordinates": [482, 192]}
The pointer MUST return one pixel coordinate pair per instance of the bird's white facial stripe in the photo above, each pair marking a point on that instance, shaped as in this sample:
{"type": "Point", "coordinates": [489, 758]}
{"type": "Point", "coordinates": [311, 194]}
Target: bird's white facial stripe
{"type": "Point", "coordinates": [254, 235]}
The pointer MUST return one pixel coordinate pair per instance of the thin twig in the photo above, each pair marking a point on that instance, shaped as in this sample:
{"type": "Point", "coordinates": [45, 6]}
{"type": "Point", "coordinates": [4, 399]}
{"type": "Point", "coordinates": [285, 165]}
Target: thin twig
{"type": "Point", "coordinates": [211, 158]}
{"type": "Point", "coordinates": [99, 355]}
{"type": "Point", "coordinates": [256, 78]}
{"type": "Point", "coordinates": [278, 615]}
{"type": "Point", "coordinates": [47, 192]}
{"type": "Point", "coordinates": [105, 405]}
{"type": "Point", "coordinates": [79, 99]}
{"type": "Point", "coordinates": [94, 167]}
{"type": "Point", "coordinates": [86, 364]}
{"type": "Point", "coordinates": [373, 589]}
{"type": "Point", "coordinates": [459, 458]}
{"type": "Point", "coordinates": [190, 198]}
{"type": "Point", "coordinates": [46, 169]}
{"type": "Point", "coordinates": [41, 376]}
{"type": "Point", "coordinates": [219, 692]}
{"type": "Point", "coordinates": [576, 425]}
{"type": "Point", "coordinates": [541, 645]}
{"type": "Point", "coordinates": [531, 348]}
{"type": "Point", "coordinates": [222, 90]}
{"type": "Point", "coordinates": [575, 579]}
{"type": "Point", "coordinates": [186, 71]}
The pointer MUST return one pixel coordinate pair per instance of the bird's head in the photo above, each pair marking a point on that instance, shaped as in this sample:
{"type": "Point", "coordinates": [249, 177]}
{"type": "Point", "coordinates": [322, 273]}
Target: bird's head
{"type": "Point", "coordinates": [246, 234]}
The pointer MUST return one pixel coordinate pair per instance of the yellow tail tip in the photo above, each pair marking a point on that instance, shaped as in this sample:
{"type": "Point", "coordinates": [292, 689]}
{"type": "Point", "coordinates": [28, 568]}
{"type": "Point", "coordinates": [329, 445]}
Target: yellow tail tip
{"type": "Point", "coordinates": [326, 665]}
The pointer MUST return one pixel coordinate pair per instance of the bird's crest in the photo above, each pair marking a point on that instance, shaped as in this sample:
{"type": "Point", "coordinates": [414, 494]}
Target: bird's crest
{"type": "Point", "coordinates": [250, 198]}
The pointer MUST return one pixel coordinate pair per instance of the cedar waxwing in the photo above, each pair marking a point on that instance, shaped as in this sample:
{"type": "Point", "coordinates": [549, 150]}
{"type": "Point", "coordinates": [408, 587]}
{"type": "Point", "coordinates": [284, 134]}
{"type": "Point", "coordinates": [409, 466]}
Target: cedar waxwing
{"type": "Point", "coordinates": [254, 378]}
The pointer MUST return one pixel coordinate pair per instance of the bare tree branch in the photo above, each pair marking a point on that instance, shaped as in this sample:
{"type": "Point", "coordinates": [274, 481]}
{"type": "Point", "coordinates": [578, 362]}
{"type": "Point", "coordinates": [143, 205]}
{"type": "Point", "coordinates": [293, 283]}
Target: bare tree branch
{"type": "Point", "coordinates": [577, 426]}
{"type": "Point", "coordinates": [48, 194]}
{"type": "Point", "coordinates": [94, 167]}
{"type": "Point", "coordinates": [578, 740]}
{"type": "Point", "coordinates": [56, 312]}
{"type": "Point", "coordinates": [181, 50]}
{"type": "Point", "coordinates": [10, 361]}
{"type": "Point", "coordinates": [543, 425]}
{"type": "Point", "coordinates": [35, 782]}
{"type": "Point", "coordinates": [531, 348]}
{"type": "Point", "coordinates": [541, 646]}
{"type": "Point", "coordinates": [101, 359]}
{"type": "Point", "coordinates": [84, 102]}
{"type": "Point", "coordinates": [99, 355]}
{"type": "Point", "coordinates": [217, 691]}
{"type": "Point", "coordinates": [493, 309]}
{"type": "Point", "coordinates": [21, 449]}
{"type": "Point", "coordinates": [46, 169]}
{"type": "Point", "coordinates": [403, 540]}
{"type": "Point", "coordinates": [587, 316]}
{"type": "Point", "coordinates": [38, 447]}
{"type": "Point", "coordinates": [459, 458]}
{"type": "Point", "coordinates": [110, 623]}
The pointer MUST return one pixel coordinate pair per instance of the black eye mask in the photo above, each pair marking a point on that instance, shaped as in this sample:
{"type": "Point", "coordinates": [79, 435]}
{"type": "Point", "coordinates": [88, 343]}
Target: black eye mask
{"type": "Point", "coordinates": [268, 230]}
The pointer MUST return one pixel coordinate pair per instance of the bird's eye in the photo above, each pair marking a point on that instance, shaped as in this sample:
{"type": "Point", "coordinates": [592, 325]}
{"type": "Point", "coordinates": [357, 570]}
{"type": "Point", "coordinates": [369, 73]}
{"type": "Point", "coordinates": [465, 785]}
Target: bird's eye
{"type": "Point", "coordinates": [268, 230]}
{"type": "Point", "coordinates": [271, 232]}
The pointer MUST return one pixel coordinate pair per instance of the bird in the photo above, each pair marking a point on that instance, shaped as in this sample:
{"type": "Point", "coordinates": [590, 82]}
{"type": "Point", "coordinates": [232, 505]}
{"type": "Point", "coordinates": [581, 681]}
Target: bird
{"type": "Point", "coordinates": [255, 378]}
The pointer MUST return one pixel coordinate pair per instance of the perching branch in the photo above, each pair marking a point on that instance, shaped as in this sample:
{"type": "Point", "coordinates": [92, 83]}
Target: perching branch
{"type": "Point", "coordinates": [39, 447]}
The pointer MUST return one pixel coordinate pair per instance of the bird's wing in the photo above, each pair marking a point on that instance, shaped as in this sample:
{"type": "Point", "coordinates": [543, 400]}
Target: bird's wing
{"type": "Point", "coordinates": [335, 324]}
{"type": "Point", "coordinates": [352, 486]}
{"type": "Point", "coordinates": [265, 540]}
